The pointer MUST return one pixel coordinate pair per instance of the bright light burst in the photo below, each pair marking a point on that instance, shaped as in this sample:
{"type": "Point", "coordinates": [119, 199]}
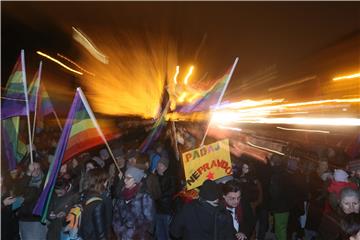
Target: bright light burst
{"type": "Point", "coordinates": [133, 81]}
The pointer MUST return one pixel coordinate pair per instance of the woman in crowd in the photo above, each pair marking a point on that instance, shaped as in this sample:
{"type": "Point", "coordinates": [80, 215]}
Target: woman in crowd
{"type": "Point", "coordinates": [348, 203]}
{"type": "Point", "coordinates": [94, 224]}
{"type": "Point", "coordinates": [134, 208]}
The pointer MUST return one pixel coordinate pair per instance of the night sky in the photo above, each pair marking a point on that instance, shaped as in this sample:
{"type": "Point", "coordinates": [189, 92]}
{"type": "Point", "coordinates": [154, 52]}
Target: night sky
{"type": "Point", "coordinates": [261, 34]}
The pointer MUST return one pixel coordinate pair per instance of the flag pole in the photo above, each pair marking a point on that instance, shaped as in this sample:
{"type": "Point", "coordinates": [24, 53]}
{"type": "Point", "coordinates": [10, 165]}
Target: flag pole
{"type": "Point", "coordinates": [36, 100]}
{"type": "Point", "coordinates": [27, 102]}
{"type": "Point", "coordinates": [173, 128]}
{"type": "Point", "coordinates": [57, 119]}
{"type": "Point", "coordinates": [93, 119]}
{"type": "Point", "coordinates": [220, 98]}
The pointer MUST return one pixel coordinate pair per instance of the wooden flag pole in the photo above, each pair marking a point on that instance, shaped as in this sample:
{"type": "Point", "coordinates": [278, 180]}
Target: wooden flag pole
{"type": "Point", "coordinates": [220, 98]}
{"type": "Point", "coordinates": [57, 119]}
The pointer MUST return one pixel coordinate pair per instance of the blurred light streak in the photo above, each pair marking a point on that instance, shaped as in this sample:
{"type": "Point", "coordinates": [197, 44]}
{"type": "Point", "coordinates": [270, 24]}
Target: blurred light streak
{"type": "Point", "coordinates": [292, 83]}
{"type": "Point", "coordinates": [77, 65]}
{"type": "Point", "coordinates": [176, 74]}
{"type": "Point", "coordinates": [186, 80]}
{"type": "Point", "coordinates": [305, 121]}
{"type": "Point", "coordinates": [267, 109]}
{"type": "Point", "coordinates": [86, 43]}
{"type": "Point", "coordinates": [263, 148]}
{"type": "Point", "coordinates": [230, 128]}
{"type": "Point", "coordinates": [58, 62]}
{"type": "Point", "coordinates": [356, 75]}
{"type": "Point", "coordinates": [182, 97]}
{"type": "Point", "coordinates": [250, 103]}
{"type": "Point", "coordinates": [303, 130]}
{"type": "Point", "coordinates": [287, 113]}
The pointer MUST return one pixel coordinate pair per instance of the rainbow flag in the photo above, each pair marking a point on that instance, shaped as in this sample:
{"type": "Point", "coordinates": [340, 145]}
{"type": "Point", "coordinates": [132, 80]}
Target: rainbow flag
{"type": "Point", "coordinates": [39, 100]}
{"type": "Point", "coordinates": [14, 98]}
{"type": "Point", "coordinates": [45, 104]}
{"type": "Point", "coordinates": [33, 90]}
{"type": "Point", "coordinates": [81, 132]}
{"type": "Point", "coordinates": [160, 122]}
{"type": "Point", "coordinates": [45, 107]}
{"type": "Point", "coordinates": [14, 148]}
{"type": "Point", "coordinates": [211, 96]}
{"type": "Point", "coordinates": [155, 130]}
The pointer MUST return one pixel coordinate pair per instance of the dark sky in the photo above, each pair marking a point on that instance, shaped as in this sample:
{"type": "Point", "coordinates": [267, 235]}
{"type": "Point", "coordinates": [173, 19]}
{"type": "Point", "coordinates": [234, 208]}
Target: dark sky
{"type": "Point", "coordinates": [261, 34]}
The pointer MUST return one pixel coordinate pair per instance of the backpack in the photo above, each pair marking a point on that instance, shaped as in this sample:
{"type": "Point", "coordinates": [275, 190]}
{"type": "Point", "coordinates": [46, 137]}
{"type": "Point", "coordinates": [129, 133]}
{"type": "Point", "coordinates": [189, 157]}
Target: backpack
{"type": "Point", "coordinates": [73, 220]}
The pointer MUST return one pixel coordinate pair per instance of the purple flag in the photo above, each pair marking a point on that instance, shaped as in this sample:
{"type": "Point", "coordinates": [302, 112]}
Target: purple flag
{"type": "Point", "coordinates": [42, 205]}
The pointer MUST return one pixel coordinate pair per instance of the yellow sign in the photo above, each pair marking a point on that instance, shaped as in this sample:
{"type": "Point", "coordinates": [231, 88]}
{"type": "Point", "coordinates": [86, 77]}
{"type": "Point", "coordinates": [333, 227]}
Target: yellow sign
{"type": "Point", "coordinates": [207, 162]}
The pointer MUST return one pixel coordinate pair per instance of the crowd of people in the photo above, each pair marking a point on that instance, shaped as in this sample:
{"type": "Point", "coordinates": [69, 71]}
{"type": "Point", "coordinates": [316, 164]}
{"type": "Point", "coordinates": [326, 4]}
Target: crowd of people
{"type": "Point", "coordinates": [92, 199]}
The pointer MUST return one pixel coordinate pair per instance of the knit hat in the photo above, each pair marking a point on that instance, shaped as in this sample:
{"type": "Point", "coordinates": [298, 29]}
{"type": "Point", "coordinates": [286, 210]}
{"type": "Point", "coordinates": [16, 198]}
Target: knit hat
{"type": "Point", "coordinates": [104, 154]}
{"type": "Point", "coordinates": [209, 191]}
{"type": "Point", "coordinates": [136, 173]}
{"type": "Point", "coordinates": [164, 160]}
{"type": "Point", "coordinates": [99, 161]}
{"type": "Point", "coordinates": [340, 175]}
{"type": "Point", "coordinates": [118, 152]}
{"type": "Point", "coordinates": [224, 179]}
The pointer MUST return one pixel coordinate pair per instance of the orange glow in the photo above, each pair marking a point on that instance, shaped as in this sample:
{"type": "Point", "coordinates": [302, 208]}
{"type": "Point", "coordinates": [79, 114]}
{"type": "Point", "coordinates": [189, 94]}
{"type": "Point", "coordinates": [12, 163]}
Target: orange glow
{"type": "Point", "coordinates": [181, 99]}
{"type": "Point", "coordinates": [133, 81]}
{"type": "Point", "coordinates": [75, 64]}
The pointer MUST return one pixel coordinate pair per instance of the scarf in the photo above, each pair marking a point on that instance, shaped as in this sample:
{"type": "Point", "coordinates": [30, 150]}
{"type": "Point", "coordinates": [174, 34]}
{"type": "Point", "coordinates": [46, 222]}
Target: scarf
{"type": "Point", "coordinates": [36, 181]}
{"type": "Point", "coordinates": [128, 194]}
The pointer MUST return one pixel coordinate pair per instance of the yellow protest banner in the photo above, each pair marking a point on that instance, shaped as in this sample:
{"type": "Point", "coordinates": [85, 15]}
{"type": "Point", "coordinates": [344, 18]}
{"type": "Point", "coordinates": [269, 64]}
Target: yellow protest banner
{"type": "Point", "coordinates": [207, 162]}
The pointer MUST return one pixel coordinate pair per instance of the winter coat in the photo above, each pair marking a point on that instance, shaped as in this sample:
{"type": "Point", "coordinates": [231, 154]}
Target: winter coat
{"type": "Point", "coordinates": [57, 205]}
{"type": "Point", "coordinates": [165, 204]}
{"type": "Point", "coordinates": [133, 219]}
{"type": "Point", "coordinates": [31, 195]}
{"type": "Point", "coordinates": [9, 222]}
{"type": "Point", "coordinates": [200, 220]}
{"type": "Point", "coordinates": [281, 191]}
{"type": "Point", "coordinates": [93, 219]}
{"type": "Point", "coordinates": [245, 215]}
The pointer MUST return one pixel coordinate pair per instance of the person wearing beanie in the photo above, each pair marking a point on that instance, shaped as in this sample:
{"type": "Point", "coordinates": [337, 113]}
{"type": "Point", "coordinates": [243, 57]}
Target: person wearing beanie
{"type": "Point", "coordinates": [135, 174]}
{"type": "Point", "coordinates": [340, 182]}
{"type": "Point", "coordinates": [134, 208]}
{"type": "Point", "coordinates": [104, 154]}
{"type": "Point", "coordinates": [165, 184]}
{"type": "Point", "coordinates": [203, 218]}
{"type": "Point", "coordinates": [209, 191]}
